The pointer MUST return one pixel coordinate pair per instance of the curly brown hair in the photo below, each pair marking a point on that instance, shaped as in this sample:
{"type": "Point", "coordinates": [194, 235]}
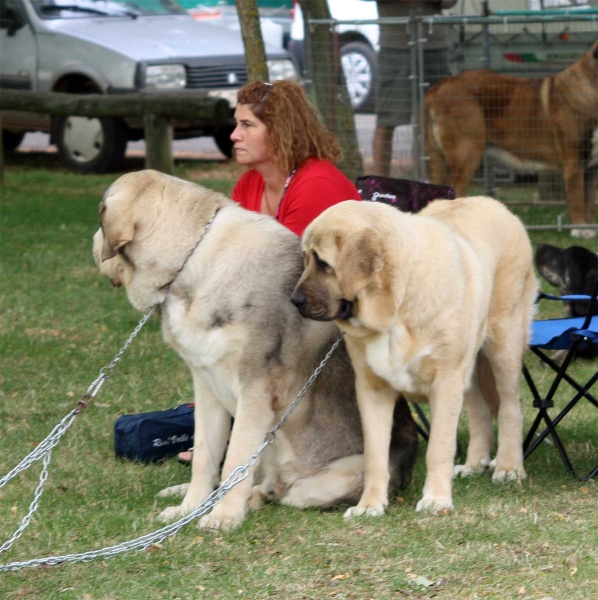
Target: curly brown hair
{"type": "Point", "coordinates": [295, 128]}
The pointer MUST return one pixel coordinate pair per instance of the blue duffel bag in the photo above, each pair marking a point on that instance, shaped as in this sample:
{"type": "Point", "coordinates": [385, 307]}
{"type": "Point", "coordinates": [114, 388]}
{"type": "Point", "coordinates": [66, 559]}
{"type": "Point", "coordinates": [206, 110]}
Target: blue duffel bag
{"type": "Point", "coordinates": [153, 436]}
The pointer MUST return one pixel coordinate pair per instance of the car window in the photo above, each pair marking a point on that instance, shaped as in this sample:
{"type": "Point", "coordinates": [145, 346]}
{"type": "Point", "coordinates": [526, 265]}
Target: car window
{"type": "Point", "coordinates": [74, 9]}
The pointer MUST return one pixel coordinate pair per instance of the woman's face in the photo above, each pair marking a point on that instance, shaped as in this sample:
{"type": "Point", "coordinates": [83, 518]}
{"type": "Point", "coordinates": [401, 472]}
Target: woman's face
{"type": "Point", "coordinates": [252, 147]}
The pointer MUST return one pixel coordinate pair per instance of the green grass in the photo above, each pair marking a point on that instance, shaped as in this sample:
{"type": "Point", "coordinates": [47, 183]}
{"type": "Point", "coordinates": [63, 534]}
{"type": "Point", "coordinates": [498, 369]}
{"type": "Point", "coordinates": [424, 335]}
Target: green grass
{"type": "Point", "coordinates": [60, 322]}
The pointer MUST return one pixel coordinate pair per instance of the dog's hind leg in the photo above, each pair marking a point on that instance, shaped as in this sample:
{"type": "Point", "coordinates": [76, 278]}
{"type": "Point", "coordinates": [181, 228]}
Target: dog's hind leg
{"type": "Point", "coordinates": [505, 355]}
{"type": "Point", "coordinates": [339, 481]}
{"type": "Point", "coordinates": [478, 401]}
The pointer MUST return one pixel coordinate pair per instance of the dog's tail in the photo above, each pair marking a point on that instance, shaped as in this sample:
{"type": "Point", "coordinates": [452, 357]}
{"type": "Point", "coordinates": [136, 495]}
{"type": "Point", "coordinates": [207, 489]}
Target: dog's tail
{"type": "Point", "coordinates": [488, 384]}
{"type": "Point", "coordinates": [437, 166]}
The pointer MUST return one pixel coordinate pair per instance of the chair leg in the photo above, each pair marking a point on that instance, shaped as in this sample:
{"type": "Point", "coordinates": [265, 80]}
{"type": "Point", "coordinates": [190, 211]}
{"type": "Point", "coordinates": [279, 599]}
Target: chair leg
{"type": "Point", "coordinates": [550, 430]}
{"type": "Point", "coordinates": [569, 405]}
{"type": "Point", "coordinates": [593, 474]}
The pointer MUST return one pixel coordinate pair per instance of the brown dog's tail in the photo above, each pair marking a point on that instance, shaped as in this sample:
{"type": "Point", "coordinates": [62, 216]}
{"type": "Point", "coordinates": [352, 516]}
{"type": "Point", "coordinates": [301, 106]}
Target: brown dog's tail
{"type": "Point", "coordinates": [437, 166]}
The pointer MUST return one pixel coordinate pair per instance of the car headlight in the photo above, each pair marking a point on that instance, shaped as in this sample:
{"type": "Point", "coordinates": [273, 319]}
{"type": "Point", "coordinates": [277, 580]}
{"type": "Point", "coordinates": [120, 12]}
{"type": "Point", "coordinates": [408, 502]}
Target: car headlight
{"type": "Point", "coordinates": [282, 69]}
{"type": "Point", "coordinates": [165, 76]}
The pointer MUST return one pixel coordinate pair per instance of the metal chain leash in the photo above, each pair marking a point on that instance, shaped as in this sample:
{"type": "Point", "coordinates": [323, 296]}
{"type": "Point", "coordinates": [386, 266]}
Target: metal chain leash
{"type": "Point", "coordinates": [44, 449]}
{"type": "Point", "coordinates": [151, 539]}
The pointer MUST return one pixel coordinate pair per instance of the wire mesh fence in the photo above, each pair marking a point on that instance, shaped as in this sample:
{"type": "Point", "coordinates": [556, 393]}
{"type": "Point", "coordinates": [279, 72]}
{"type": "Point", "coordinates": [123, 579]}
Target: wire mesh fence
{"type": "Point", "coordinates": [425, 108]}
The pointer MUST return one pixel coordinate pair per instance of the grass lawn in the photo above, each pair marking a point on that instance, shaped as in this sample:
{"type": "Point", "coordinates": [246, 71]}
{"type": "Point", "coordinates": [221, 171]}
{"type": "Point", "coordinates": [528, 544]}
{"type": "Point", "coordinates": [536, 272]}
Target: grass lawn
{"type": "Point", "coordinates": [60, 322]}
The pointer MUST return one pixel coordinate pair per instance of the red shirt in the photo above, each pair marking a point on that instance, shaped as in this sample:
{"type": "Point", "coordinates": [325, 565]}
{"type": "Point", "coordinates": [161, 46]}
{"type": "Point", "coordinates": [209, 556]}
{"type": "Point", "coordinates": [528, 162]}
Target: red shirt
{"type": "Point", "coordinates": [316, 185]}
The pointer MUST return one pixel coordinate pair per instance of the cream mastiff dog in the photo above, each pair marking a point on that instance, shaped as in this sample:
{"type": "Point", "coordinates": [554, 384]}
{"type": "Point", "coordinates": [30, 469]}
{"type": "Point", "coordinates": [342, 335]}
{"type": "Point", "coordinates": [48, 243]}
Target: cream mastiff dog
{"type": "Point", "coordinates": [222, 277]}
{"type": "Point", "coordinates": [436, 306]}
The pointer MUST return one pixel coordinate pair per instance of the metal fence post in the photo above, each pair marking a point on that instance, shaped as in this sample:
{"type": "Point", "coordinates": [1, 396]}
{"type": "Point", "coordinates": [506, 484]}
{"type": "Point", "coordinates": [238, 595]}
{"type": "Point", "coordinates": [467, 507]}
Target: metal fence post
{"type": "Point", "coordinates": [422, 86]}
{"type": "Point", "coordinates": [414, 78]}
{"type": "Point", "coordinates": [488, 168]}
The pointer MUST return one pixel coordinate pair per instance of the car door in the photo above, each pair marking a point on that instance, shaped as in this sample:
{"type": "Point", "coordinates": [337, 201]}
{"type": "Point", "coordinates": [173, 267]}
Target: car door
{"type": "Point", "coordinates": [18, 60]}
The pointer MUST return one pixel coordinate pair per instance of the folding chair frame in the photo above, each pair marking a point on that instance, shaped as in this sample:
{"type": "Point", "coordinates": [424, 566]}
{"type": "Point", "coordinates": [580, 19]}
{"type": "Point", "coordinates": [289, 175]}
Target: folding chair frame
{"type": "Point", "coordinates": [543, 404]}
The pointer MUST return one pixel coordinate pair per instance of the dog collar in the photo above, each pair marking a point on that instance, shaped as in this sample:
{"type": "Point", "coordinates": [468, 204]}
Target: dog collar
{"type": "Point", "coordinates": [208, 224]}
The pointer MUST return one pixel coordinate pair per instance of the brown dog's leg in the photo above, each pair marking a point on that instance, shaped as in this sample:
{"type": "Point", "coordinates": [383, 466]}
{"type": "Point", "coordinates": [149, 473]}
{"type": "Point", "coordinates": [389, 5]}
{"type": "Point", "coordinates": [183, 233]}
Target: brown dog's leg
{"type": "Point", "coordinates": [573, 174]}
{"type": "Point", "coordinates": [463, 161]}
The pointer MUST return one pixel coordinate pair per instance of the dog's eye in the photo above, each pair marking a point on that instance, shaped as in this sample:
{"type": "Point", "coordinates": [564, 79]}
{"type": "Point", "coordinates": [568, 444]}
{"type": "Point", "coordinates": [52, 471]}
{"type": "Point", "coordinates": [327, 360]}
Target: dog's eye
{"type": "Point", "coordinates": [320, 264]}
{"type": "Point", "coordinates": [122, 252]}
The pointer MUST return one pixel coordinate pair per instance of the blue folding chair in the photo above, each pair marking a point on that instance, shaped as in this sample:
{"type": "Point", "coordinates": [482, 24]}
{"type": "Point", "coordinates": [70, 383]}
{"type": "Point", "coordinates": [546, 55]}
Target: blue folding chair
{"type": "Point", "coordinates": [569, 335]}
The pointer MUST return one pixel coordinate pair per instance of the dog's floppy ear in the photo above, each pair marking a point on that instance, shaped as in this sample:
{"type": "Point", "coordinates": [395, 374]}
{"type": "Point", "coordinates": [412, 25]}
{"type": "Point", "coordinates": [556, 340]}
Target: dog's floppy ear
{"type": "Point", "coordinates": [359, 259]}
{"type": "Point", "coordinates": [118, 229]}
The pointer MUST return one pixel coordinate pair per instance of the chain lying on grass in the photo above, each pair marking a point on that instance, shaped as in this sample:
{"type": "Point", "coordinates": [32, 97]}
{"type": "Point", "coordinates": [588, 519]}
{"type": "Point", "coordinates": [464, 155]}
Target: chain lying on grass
{"type": "Point", "coordinates": [44, 449]}
{"type": "Point", "coordinates": [141, 543]}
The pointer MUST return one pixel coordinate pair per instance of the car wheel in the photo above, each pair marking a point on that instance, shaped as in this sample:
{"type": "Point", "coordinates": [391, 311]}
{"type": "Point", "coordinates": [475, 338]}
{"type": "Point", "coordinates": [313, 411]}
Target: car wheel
{"type": "Point", "coordinates": [223, 141]}
{"type": "Point", "coordinates": [11, 141]}
{"type": "Point", "coordinates": [90, 145]}
{"type": "Point", "coordinates": [359, 66]}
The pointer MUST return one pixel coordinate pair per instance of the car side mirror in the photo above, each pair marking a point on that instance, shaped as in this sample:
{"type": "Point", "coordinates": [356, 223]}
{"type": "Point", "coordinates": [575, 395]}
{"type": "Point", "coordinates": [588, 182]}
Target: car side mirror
{"type": "Point", "coordinates": [11, 21]}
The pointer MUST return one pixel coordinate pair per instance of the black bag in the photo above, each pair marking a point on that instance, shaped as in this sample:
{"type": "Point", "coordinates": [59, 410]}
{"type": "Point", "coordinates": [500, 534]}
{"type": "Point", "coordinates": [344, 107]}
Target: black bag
{"type": "Point", "coordinates": [404, 194]}
{"type": "Point", "coordinates": [153, 436]}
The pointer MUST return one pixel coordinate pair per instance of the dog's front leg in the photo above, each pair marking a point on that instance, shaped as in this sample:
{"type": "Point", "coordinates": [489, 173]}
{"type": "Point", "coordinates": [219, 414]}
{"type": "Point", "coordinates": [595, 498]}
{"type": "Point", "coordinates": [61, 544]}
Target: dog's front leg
{"type": "Point", "coordinates": [212, 428]}
{"type": "Point", "coordinates": [446, 402]}
{"type": "Point", "coordinates": [376, 400]}
{"type": "Point", "coordinates": [253, 419]}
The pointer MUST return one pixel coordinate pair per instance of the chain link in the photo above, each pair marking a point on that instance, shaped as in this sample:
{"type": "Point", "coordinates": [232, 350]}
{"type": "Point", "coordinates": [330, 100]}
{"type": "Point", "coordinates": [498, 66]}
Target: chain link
{"type": "Point", "coordinates": [141, 543]}
{"type": "Point", "coordinates": [44, 449]}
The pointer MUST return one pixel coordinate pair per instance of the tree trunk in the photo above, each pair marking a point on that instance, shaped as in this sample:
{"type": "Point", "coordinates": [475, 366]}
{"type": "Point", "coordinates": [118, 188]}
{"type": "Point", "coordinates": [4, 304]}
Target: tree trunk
{"type": "Point", "coordinates": [255, 53]}
{"type": "Point", "coordinates": [329, 89]}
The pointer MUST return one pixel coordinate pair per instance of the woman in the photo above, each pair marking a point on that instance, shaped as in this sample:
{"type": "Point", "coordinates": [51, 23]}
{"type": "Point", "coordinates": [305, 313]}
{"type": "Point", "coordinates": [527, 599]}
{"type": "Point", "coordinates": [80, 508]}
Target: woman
{"type": "Point", "coordinates": [291, 154]}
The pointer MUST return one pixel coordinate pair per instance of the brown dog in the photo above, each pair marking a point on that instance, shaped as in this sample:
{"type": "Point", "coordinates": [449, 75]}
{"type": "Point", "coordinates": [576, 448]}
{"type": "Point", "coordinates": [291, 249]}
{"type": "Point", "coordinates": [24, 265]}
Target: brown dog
{"type": "Point", "coordinates": [436, 306]}
{"type": "Point", "coordinates": [536, 124]}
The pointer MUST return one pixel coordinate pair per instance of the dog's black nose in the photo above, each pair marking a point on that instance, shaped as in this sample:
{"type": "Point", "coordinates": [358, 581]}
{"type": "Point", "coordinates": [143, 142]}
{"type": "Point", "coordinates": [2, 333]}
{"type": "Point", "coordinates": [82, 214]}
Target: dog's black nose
{"type": "Point", "coordinates": [299, 300]}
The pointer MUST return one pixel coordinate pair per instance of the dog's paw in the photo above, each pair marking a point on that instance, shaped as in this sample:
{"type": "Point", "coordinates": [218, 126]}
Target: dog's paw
{"type": "Point", "coordinates": [468, 470]}
{"type": "Point", "coordinates": [434, 505]}
{"type": "Point", "coordinates": [584, 234]}
{"type": "Point", "coordinates": [502, 474]}
{"type": "Point", "coordinates": [220, 522]}
{"type": "Point", "coordinates": [360, 511]}
{"type": "Point", "coordinates": [172, 513]}
{"type": "Point", "coordinates": [175, 490]}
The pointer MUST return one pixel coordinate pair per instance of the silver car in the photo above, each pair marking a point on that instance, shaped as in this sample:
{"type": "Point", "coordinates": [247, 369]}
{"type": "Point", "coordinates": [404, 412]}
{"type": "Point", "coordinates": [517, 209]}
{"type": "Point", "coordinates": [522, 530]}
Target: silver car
{"type": "Point", "coordinates": [116, 46]}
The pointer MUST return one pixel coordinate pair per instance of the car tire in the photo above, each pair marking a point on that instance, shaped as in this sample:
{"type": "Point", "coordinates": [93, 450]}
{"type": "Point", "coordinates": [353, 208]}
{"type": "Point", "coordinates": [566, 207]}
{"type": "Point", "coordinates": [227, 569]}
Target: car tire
{"type": "Point", "coordinates": [11, 140]}
{"type": "Point", "coordinates": [360, 69]}
{"type": "Point", "coordinates": [90, 145]}
{"type": "Point", "coordinates": [223, 141]}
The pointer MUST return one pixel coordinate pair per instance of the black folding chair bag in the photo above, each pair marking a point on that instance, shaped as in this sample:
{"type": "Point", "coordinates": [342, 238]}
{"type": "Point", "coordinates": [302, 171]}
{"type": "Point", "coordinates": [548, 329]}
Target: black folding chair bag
{"type": "Point", "coordinates": [404, 194]}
